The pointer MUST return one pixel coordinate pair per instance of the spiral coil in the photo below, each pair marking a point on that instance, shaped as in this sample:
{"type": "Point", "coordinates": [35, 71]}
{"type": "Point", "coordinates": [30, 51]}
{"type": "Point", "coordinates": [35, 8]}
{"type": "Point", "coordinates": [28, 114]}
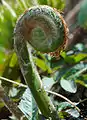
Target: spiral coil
{"type": "Point", "coordinates": [44, 28]}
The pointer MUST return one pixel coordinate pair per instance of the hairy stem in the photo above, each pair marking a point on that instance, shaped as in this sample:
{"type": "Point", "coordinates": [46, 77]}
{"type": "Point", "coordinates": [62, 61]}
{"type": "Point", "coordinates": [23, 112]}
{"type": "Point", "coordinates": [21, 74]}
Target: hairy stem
{"type": "Point", "coordinates": [33, 80]}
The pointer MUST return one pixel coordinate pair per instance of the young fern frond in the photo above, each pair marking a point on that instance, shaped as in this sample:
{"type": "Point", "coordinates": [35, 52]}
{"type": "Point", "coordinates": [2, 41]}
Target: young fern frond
{"type": "Point", "coordinates": [45, 30]}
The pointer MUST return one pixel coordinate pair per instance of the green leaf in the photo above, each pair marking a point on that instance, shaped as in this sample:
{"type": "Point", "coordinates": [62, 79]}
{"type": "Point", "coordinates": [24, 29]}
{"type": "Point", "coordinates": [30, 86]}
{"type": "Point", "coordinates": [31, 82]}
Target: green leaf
{"type": "Point", "coordinates": [73, 113]}
{"type": "Point", "coordinates": [11, 73]}
{"type": "Point", "coordinates": [28, 106]}
{"type": "Point", "coordinates": [13, 60]}
{"type": "Point", "coordinates": [63, 105]}
{"type": "Point", "coordinates": [68, 79]}
{"type": "Point", "coordinates": [82, 80]}
{"type": "Point", "coordinates": [79, 57]}
{"type": "Point", "coordinates": [42, 64]}
{"type": "Point", "coordinates": [68, 59]}
{"type": "Point", "coordinates": [80, 47]}
{"type": "Point", "coordinates": [47, 82]}
{"type": "Point", "coordinates": [75, 58]}
{"type": "Point", "coordinates": [76, 71]}
{"type": "Point", "coordinates": [13, 92]}
{"type": "Point", "coordinates": [68, 85]}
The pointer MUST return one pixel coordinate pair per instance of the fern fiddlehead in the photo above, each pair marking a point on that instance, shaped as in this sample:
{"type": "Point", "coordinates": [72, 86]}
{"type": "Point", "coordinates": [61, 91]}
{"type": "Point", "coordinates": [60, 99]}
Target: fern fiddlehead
{"type": "Point", "coordinates": [43, 28]}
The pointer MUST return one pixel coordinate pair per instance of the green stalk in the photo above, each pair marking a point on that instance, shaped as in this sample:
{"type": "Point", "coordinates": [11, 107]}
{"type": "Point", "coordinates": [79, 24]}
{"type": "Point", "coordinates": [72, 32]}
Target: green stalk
{"type": "Point", "coordinates": [32, 78]}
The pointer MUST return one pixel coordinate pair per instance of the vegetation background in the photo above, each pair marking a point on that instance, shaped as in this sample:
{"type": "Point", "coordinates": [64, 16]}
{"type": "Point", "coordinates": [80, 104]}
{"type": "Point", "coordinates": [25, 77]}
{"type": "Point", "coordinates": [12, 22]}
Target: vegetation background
{"type": "Point", "coordinates": [66, 76]}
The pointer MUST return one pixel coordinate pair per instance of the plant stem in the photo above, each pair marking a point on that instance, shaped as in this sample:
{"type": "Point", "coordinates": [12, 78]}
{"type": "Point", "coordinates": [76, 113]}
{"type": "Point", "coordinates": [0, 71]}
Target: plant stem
{"type": "Point", "coordinates": [51, 92]}
{"type": "Point", "coordinates": [11, 81]}
{"type": "Point", "coordinates": [59, 95]}
{"type": "Point", "coordinates": [32, 78]}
